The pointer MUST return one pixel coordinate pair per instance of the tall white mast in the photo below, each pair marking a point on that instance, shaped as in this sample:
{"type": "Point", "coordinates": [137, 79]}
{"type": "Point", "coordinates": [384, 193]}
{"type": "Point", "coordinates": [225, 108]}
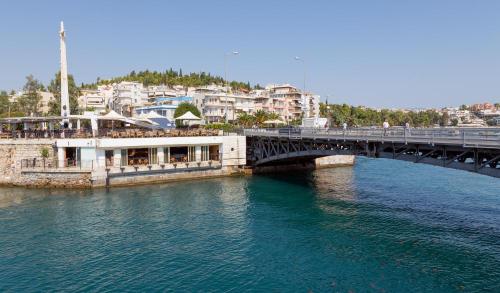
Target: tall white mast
{"type": "Point", "coordinates": [65, 111]}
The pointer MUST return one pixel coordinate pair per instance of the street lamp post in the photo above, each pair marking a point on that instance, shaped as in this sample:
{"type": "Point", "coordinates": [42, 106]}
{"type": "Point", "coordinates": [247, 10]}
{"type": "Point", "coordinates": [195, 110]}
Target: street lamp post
{"type": "Point", "coordinates": [225, 78]}
{"type": "Point", "coordinates": [297, 58]}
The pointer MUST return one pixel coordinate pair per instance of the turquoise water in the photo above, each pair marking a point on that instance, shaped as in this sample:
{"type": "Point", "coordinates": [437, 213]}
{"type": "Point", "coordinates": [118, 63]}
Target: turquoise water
{"type": "Point", "coordinates": [381, 226]}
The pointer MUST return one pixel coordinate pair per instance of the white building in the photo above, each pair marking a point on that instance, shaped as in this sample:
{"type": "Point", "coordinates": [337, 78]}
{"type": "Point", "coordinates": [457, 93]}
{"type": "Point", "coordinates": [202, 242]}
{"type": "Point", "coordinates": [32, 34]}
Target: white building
{"type": "Point", "coordinates": [310, 105]}
{"type": "Point", "coordinates": [93, 99]}
{"type": "Point", "coordinates": [463, 116]}
{"type": "Point", "coordinates": [127, 95]}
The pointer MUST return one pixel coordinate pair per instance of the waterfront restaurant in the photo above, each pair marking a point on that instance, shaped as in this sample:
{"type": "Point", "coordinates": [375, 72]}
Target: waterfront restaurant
{"type": "Point", "coordinates": [114, 146]}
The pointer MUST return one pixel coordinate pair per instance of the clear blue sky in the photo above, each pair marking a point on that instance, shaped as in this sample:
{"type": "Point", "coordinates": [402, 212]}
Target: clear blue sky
{"type": "Point", "coordinates": [376, 53]}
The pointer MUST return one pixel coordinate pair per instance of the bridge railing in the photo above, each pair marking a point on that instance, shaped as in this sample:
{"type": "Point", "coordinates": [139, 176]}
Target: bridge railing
{"type": "Point", "coordinates": [465, 136]}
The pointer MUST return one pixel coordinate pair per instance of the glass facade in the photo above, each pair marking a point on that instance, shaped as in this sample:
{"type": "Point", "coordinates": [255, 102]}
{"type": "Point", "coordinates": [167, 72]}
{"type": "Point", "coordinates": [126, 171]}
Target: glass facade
{"type": "Point", "coordinates": [204, 153]}
{"type": "Point", "coordinates": [153, 156]}
{"type": "Point", "coordinates": [124, 157]}
{"type": "Point", "coordinates": [191, 154]}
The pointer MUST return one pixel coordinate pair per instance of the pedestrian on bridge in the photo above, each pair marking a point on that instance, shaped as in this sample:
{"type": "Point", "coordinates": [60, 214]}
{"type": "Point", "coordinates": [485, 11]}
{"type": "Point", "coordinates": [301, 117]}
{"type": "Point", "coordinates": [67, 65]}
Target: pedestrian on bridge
{"type": "Point", "coordinates": [344, 126]}
{"type": "Point", "coordinates": [385, 125]}
{"type": "Point", "coordinates": [407, 127]}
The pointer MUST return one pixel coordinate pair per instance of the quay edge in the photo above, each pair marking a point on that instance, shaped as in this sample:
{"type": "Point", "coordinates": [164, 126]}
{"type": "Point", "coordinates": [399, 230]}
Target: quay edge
{"type": "Point", "coordinates": [22, 163]}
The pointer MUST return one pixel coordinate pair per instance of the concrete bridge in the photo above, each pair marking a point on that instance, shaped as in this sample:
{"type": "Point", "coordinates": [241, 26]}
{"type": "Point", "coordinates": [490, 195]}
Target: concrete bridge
{"type": "Point", "coordinates": [474, 149]}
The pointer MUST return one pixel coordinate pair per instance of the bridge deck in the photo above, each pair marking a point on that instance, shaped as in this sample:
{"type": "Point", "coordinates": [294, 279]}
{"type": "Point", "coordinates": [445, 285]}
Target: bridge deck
{"type": "Point", "coordinates": [476, 150]}
{"type": "Point", "coordinates": [482, 138]}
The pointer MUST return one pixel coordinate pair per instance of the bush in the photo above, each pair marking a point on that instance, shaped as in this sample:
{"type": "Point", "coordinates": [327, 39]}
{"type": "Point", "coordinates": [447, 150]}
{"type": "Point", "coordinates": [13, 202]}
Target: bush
{"type": "Point", "coordinates": [226, 127]}
{"type": "Point", "coordinates": [44, 152]}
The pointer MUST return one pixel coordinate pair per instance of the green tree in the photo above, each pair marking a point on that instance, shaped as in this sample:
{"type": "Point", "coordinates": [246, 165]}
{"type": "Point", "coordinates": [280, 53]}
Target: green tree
{"type": "Point", "coordinates": [246, 120]}
{"type": "Point", "coordinates": [170, 77]}
{"type": "Point", "coordinates": [29, 101]}
{"type": "Point", "coordinates": [4, 102]}
{"type": "Point", "coordinates": [445, 119]}
{"type": "Point", "coordinates": [260, 117]}
{"type": "Point", "coordinates": [183, 108]}
{"type": "Point", "coordinates": [55, 88]}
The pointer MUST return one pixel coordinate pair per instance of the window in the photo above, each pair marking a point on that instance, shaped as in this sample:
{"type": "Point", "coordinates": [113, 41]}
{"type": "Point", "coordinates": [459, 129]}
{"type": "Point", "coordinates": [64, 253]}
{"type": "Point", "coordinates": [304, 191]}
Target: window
{"type": "Point", "coordinates": [191, 154]}
{"type": "Point", "coordinates": [204, 153]}
{"type": "Point", "coordinates": [166, 155]}
{"type": "Point", "coordinates": [124, 155]}
{"type": "Point", "coordinates": [153, 156]}
{"type": "Point", "coordinates": [109, 154]}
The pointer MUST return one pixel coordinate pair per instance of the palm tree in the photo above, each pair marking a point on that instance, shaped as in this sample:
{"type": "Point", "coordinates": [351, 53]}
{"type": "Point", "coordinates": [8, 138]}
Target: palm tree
{"type": "Point", "coordinates": [246, 119]}
{"type": "Point", "coordinates": [260, 117]}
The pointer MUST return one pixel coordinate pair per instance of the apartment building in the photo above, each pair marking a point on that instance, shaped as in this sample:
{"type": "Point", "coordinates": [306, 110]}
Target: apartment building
{"type": "Point", "coordinates": [93, 99]}
{"type": "Point", "coordinates": [310, 105]}
{"type": "Point", "coordinates": [127, 95]}
{"type": "Point", "coordinates": [286, 100]}
{"type": "Point", "coordinates": [164, 106]}
{"type": "Point", "coordinates": [216, 103]}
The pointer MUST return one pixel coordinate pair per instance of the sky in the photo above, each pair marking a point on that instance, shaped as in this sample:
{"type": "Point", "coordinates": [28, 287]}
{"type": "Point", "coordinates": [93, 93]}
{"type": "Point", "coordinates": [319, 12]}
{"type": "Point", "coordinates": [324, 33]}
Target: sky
{"type": "Point", "coordinates": [375, 53]}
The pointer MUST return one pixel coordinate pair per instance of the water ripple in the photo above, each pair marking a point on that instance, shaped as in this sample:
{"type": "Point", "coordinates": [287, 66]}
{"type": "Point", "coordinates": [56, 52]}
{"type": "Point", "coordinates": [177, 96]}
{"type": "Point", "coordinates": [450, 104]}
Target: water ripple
{"type": "Point", "coordinates": [382, 226]}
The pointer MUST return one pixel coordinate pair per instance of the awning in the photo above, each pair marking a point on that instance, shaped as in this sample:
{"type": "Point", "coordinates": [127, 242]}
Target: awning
{"type": "Point", "coordinates": [188, 116]}
{"type": "Point", "coordinates": [276, 121]}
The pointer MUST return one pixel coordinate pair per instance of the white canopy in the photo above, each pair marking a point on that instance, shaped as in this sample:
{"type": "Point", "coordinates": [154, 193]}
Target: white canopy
{"type": "Point", "coordinates": [112, 115]}
{"type": "Point", "coordinates": [187, 116]}
{"type": "Point", "coordinates": [276, 121]}
{"type": "Point", "coordinates": [151, 114]}
{"type": "Point", "coordinates": [144, 119]}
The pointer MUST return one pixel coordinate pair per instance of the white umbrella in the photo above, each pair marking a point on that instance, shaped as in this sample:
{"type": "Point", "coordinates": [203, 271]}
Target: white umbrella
{"type": "Point", "coordinates": [112, 115]}
{"type": "Point", "coordinates": [276, 121]}
{"type": "Point", "coordinates": [188, 116]}
{"type": "Point", "coordinates": [152, 114]}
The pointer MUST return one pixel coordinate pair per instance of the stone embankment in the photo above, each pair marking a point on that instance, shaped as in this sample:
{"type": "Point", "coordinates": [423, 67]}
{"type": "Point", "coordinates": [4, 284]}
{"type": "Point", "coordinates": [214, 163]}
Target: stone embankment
{"type": "Point", "coordinates": [16, 152]}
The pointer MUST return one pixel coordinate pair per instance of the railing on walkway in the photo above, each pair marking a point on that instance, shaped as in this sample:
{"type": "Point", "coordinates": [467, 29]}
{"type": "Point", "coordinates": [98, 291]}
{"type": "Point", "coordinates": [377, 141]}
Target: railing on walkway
{"type": "Point", "coordinates": [125, 170]}
{"type": "Point", "coordinates": [51, 165]}
{"type": "Point", "coordinates": [465, 136]}
{"type": "Point", "coordinates": [107, 133]}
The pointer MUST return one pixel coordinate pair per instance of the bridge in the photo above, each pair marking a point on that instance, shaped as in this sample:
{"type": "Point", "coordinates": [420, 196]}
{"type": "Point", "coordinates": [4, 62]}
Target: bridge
{"type": "Point", "coordinates": [471, 149]}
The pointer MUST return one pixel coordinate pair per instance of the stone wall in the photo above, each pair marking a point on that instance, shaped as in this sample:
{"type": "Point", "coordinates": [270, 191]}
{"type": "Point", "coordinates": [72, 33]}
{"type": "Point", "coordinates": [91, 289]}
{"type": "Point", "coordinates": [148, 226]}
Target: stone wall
{"type": "Point", "coordinates": [166, 177]}
{"type": "Point", "coordinates": [54, 179]}
{"type": "Point", "coordinates": [13, 151]}
{"type": "Point", "coordinates": [334, 161]}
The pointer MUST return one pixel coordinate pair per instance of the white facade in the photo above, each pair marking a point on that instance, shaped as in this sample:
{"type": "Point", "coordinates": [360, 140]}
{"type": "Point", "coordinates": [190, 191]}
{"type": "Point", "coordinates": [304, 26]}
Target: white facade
{"type": "Point", "coordinates": [127, 95]}
{"type": "Point", "coordinates": [93, 99]}
{"type": "Point", "coordinates": [92, 153]}
{"type": "Point", "coordinates": [215, 106]}
{"type": "Point", "coordinates": [214, 101]}
{"type": "Point", "coordinates": [310, 105]}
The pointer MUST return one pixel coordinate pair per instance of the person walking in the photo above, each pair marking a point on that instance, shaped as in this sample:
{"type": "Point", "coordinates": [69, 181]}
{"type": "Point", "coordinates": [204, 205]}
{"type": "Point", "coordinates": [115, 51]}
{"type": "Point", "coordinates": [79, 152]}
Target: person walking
{"type": "Point", "coordinates": [407, 127]}
{"type": "Point", "coordinates": [344, 127]}
{"type": "Point", "coordinates": [385, 125]}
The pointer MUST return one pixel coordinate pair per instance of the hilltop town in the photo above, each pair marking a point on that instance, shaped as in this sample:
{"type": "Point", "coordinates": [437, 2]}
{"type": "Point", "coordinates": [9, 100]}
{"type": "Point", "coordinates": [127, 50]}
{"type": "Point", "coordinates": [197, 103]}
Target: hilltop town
{"type": "Point", "coordinates": [217, 101]}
